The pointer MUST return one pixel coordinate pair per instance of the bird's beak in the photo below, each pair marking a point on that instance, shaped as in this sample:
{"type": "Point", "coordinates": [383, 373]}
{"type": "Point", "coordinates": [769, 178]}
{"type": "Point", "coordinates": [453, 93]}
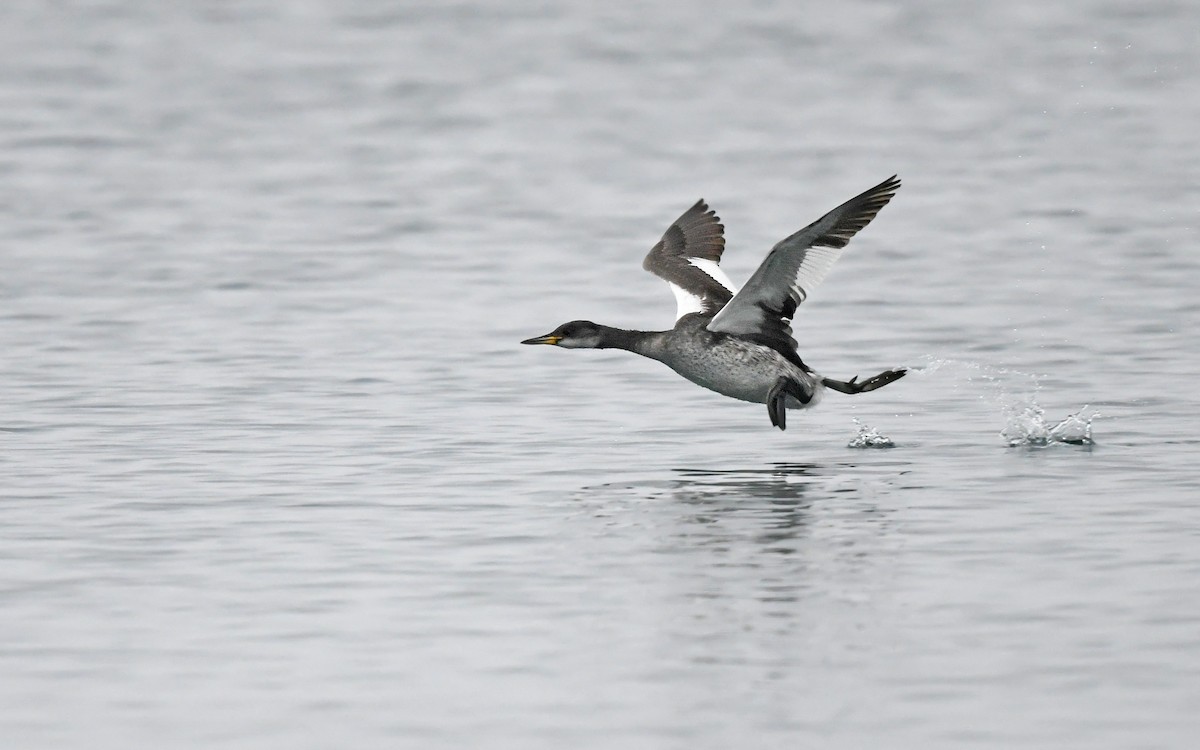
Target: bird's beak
{"type": "Point", "coordinates": [549, 338]}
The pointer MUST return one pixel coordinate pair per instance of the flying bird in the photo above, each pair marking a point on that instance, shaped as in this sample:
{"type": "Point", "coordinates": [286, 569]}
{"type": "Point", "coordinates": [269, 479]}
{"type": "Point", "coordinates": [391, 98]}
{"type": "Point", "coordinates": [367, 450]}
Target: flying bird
{"type": "Point", "coordinates": [739, 343]}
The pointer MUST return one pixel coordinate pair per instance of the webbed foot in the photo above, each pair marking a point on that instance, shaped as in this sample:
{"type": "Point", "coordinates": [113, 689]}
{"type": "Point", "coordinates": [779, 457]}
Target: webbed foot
{"type": "Point", "coordinates": [853, 386]}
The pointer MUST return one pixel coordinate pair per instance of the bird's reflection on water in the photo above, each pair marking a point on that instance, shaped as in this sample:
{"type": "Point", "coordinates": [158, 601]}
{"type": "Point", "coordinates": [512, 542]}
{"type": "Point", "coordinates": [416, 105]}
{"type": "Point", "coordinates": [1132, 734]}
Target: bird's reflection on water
{"type": "Point", "coordinates": [777, 498]}
{"type": "Point", "coordinates": [772, 505]}
{"type": "Point", "coordinates": [759, 548]}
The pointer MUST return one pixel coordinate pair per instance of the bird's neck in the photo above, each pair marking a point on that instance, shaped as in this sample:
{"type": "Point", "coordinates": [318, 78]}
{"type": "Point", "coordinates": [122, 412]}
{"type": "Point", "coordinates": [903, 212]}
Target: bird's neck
{"type": "Point", "coordinates": [638, 342]}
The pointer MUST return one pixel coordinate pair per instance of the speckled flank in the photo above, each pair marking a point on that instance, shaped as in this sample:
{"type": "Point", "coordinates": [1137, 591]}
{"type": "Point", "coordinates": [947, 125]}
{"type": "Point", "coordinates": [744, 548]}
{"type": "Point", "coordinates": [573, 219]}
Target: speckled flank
{"type": "Point", "coordinates": [726, 364]}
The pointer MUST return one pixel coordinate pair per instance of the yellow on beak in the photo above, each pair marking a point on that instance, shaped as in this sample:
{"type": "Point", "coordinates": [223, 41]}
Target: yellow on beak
{"type": "Point", "coordinates": [549, 338]}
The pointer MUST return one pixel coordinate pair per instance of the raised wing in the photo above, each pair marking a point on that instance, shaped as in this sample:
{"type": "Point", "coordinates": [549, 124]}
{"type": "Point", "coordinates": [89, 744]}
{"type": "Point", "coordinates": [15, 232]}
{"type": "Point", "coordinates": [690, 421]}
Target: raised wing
{"type": "Point", "coordinates": [687, 257]}
{"type": "Point", "coordinates": [794, 266]}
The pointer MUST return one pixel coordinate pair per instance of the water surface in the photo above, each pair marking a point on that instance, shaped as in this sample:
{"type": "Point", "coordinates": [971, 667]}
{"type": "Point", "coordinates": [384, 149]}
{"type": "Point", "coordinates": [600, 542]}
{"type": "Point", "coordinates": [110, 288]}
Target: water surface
{"type": "Point", "coordinates": [275, 472]}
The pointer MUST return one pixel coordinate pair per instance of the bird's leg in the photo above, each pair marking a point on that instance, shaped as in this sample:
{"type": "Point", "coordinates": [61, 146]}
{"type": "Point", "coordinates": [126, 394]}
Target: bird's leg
{"type": "Point", "coordinates": [777, 403]}
{"type": "Point", "coordinates": [853, 386]}
{"type": "Point", "coordinates": [777, 399]}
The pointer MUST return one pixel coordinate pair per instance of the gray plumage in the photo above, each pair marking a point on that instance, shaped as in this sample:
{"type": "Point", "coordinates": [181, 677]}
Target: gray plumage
{"type": "Point", "coordinates": [740, 344]}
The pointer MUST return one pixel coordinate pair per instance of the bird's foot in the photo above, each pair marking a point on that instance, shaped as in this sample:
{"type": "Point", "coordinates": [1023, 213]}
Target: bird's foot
{"type": "Point", "coordinates": [777, 399]}
{"type": "Point", "coordinates": [853, 386]}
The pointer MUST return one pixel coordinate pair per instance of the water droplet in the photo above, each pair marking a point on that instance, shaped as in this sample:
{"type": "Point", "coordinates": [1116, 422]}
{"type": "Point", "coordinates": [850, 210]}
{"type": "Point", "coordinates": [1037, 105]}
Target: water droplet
{"type": "Point", "coordinates": [869, 437]}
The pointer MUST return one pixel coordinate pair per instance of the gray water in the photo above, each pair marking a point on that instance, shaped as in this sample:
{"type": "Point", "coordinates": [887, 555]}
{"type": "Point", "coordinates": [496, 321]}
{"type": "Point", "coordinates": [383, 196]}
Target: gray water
{"type": "Point", "coordinates": [275, 472]}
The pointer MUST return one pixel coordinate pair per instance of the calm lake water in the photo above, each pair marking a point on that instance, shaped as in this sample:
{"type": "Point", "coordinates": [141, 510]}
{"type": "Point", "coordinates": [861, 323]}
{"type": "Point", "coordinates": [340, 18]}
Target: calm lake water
{"type": "Point", "coordinates": [275, 473]}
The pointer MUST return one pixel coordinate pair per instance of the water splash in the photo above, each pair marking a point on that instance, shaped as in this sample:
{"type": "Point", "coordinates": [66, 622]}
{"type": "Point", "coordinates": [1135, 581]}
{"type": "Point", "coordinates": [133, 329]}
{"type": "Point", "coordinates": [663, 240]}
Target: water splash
{"type": "Point", "coordinates": [1016, 394]}
{"type": "Point", "coordinates": [869, 437]}
{"type": "Point", "coordinates": [1027, 426]}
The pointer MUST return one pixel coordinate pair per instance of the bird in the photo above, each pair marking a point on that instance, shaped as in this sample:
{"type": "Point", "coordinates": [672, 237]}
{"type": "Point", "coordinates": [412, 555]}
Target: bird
{"type": "Point", "coordinates": [739, 343]}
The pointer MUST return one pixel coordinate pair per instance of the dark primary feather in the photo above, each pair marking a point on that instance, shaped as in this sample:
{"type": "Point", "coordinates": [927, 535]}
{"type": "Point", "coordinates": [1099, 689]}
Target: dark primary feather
{"type": "Point", "coordinates": [835, 228]}
{"type": "Point", "coordinates": [766, 304]}
{"type": "Point", "coordinates": [698, 233]}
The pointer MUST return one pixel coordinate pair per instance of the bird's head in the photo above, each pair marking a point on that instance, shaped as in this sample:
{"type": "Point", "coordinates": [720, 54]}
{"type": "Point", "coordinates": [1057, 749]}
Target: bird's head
{"type": "Point", "coordinates": [578, 334]}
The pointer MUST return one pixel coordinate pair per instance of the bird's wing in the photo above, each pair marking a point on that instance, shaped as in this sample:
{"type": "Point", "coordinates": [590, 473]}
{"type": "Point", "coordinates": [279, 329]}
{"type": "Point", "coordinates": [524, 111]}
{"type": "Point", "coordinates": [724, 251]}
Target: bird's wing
{"type": "Point", "coordinates": [687, 259]}
{"type": "Point", "coordinates": [794, 266]}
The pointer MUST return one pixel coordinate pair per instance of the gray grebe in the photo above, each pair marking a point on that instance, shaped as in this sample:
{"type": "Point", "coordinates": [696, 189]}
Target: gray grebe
{"type": "Point", "coordinates": [740, 344]}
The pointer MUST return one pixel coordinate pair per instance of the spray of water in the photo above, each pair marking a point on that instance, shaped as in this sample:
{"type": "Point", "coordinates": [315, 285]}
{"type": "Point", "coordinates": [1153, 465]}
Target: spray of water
{"type": "Point", "coordinates": [869, 437]}
{"type": "Point", "coordinates": [1016, 394]}
{"type": "Point", "coordinates": [1027, 426]}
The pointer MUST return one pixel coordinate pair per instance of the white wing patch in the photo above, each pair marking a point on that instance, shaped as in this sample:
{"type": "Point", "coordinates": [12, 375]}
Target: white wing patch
{"type": "Point", "coordinates": [685, 301]}
{"type": "Point", "coordinates": [713, 270]}
{"type": "Point", "coordinates": [815, 265]}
